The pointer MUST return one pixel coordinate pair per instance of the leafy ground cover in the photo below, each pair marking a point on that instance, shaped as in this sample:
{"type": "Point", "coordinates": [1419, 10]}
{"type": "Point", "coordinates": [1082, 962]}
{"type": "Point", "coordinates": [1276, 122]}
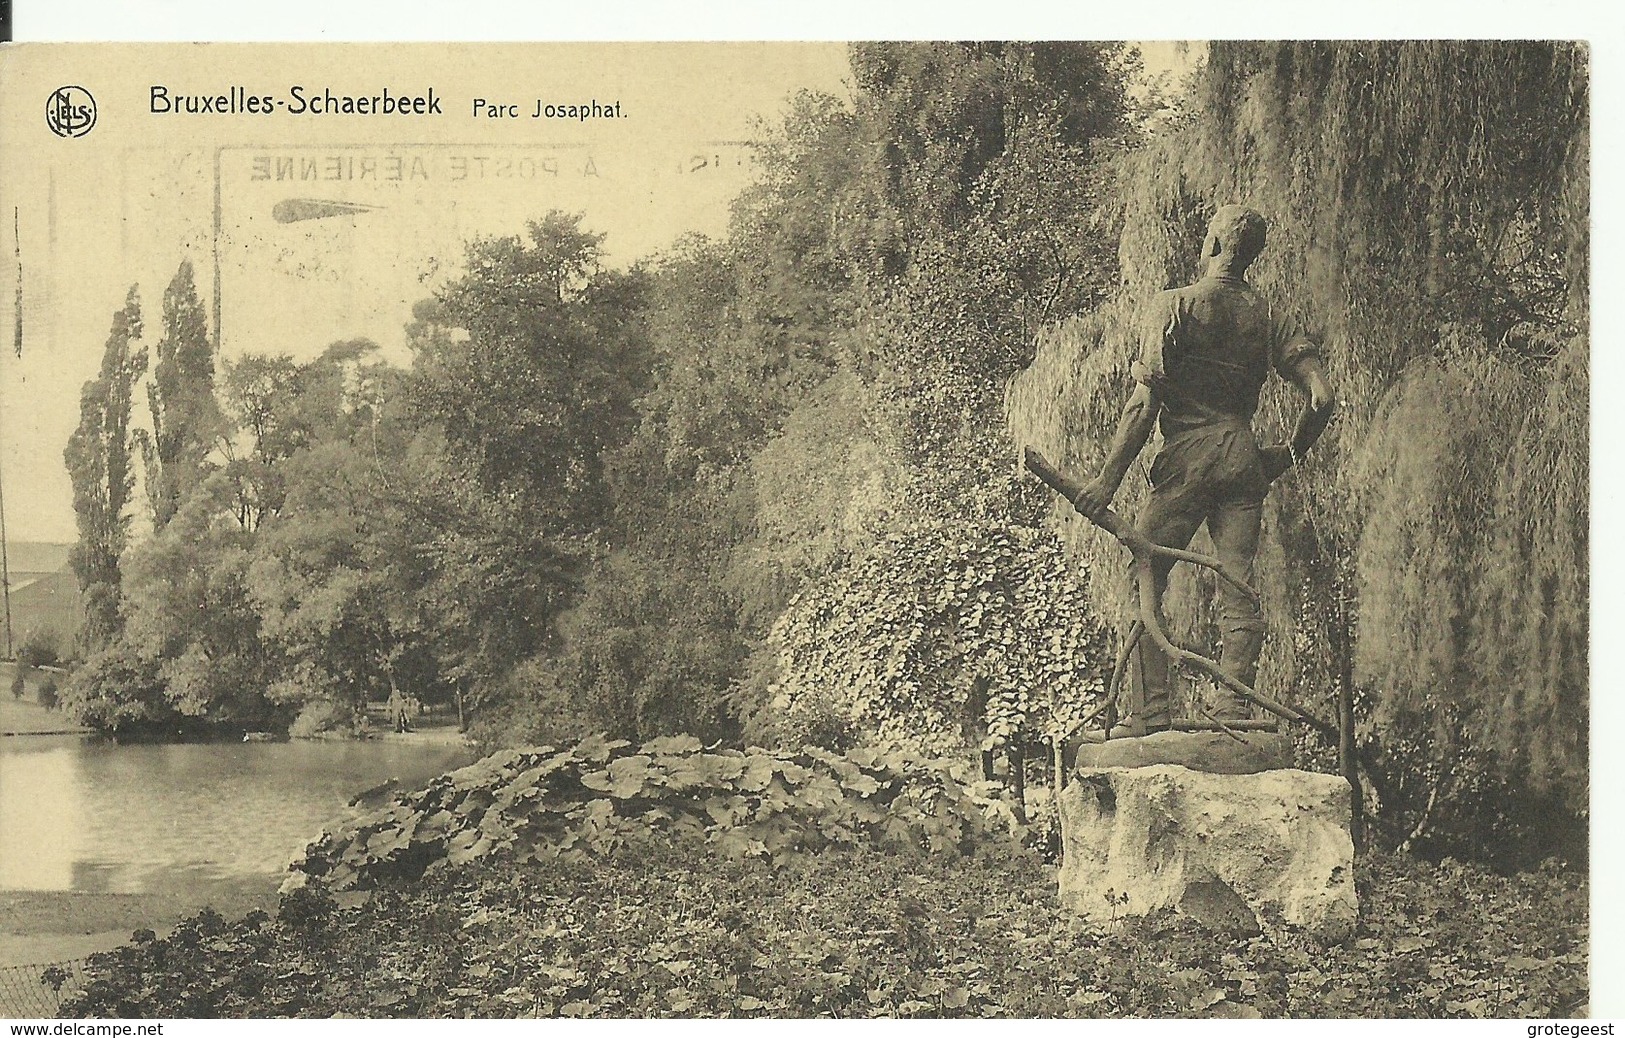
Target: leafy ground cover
{"type": "Point", "coordinates": [678, 931]}
{"type": "Point", "coordinates": [600, 796]}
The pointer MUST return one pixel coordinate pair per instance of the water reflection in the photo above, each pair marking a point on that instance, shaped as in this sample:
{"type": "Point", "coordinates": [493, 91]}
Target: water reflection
{"type": "Point", "coordinates": [93, 816]}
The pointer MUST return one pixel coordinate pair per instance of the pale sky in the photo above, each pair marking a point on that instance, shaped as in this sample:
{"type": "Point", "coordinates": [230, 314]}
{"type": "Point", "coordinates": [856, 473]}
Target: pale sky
{"type": "Point", "coordinates": [125, 203]}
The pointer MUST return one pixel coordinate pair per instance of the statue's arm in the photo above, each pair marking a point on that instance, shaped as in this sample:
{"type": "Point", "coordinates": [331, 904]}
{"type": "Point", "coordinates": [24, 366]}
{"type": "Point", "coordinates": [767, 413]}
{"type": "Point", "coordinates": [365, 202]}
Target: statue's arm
{"type": "Point", "coordinates": [1309, 376]}
{"type": "Point", "coordinates": [1133, 429]}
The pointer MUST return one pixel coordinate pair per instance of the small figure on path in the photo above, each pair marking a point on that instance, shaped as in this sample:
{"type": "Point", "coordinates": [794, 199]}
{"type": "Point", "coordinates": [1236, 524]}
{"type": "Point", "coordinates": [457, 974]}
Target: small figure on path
{"type": "Point", "coordinates": [397, 711]}
{"type": "Point", "coordinates": [1206, 350]}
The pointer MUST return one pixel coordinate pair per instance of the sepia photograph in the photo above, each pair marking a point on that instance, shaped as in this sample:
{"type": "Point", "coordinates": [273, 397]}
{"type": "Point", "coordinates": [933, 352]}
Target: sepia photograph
{"type": "Point", "coordinates": [859, 530]}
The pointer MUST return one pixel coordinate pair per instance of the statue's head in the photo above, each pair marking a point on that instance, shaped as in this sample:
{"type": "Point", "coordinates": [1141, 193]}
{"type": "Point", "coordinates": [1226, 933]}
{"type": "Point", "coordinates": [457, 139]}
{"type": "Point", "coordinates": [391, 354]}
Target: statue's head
{"type": "Point", "coordinates": [1237, 233]}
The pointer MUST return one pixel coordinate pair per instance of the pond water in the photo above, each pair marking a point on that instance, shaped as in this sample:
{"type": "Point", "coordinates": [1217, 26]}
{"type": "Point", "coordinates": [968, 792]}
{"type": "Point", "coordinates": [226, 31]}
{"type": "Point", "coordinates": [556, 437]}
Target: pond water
{"type": "Point", "coordinates": [84, 814]}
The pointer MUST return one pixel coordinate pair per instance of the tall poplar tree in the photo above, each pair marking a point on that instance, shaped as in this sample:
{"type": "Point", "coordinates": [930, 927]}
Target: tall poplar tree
{"type": "Point", "coordinates": [99, 460]}
{"type": "Point", "coordinates": [185, 416]}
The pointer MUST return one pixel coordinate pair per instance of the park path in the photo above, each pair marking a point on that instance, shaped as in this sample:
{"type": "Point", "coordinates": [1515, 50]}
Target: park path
{"type": "Point", "coordinates": [21, 717]}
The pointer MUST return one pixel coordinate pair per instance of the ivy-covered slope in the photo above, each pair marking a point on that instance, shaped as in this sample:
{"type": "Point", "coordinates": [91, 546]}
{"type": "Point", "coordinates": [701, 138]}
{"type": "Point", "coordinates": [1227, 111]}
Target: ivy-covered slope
{"type": "Point", "coordinates": [601, 795]}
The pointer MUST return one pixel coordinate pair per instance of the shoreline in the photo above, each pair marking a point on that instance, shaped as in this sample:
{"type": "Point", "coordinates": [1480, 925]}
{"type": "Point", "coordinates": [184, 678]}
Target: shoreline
{"type": "Point", "coordinates": [19, 717]}
{"type": "Point", "coordinates": [38, 927]}
{"type": "Point", "coordinates": [22, 717]}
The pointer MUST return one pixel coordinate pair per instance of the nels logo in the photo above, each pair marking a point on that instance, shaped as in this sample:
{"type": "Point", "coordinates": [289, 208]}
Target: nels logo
{"type": "Point", "coordinates": [70, 111]}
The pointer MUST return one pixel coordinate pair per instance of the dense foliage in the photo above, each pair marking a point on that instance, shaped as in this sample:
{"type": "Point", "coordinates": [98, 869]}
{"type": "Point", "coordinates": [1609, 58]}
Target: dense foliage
{"type": "Point", "coordinates": [1472, 572]}
{"type": "Point", "coordinates": [852, 933]}
{"type": "Point", "coordinates": [830, 375]}
{"type": "Point", "coordinates": [946, 635]}
{"type": "Point", "coordinates": [354, 529]}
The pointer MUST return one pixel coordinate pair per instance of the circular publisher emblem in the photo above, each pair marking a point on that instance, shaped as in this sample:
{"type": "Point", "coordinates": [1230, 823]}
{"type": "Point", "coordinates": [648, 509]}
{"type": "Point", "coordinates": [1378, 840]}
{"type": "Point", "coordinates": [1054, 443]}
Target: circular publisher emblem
{"type": "Point", "coordinates": [70, 111]}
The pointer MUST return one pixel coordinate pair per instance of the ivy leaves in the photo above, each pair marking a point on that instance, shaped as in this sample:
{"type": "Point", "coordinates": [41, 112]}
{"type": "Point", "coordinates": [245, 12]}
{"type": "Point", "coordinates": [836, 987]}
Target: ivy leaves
{"type": "Point", "coordinates": [602, 795]}
{"type": "Point", "coordinates": [946, 634]}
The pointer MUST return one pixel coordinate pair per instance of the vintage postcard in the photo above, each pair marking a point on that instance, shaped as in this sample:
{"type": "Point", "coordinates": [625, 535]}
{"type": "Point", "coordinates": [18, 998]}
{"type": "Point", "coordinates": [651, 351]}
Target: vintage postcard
{"type": "Point", "coordinates": [914, 529]}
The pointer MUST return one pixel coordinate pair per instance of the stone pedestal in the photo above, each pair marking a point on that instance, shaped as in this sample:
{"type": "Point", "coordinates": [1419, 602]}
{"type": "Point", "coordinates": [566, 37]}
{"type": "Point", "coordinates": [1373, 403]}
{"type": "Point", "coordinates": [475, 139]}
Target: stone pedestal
{"type": "Point", "coordinates": [1213, 752]}
{"type": "Point", "coordinates": [1215, 829]}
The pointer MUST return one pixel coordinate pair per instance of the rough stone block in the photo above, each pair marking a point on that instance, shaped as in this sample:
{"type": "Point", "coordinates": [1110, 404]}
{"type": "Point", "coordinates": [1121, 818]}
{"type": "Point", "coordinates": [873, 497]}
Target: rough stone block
{"type": "Point", "coordinates": [1213, 752]}
{"type": "Point", "coordinates": [1222, 848]}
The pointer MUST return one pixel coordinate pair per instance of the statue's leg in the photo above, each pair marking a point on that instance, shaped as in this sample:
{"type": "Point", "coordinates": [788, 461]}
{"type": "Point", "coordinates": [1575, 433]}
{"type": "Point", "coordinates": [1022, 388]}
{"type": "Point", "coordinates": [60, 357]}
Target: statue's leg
{"type": "Point", "coordinates": [1234, 527]}
{"type": "Point", "coordinates": [1170, 518]}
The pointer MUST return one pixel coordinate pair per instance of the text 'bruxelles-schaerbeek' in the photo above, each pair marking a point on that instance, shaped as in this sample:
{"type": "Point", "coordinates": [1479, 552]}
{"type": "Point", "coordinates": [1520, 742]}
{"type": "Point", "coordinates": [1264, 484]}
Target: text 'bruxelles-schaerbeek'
{"type": "Point", "coordinates": [298, 100]}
